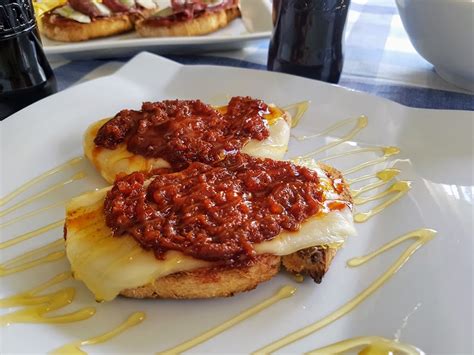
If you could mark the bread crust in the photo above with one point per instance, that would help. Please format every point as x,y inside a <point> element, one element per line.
<point>59,28</point>
<point>313,261</point>
<point>223,281</point>
<point>202,25</point>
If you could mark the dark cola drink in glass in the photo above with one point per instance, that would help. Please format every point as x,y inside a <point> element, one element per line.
<point>25,74</point>
<point>307,38</point>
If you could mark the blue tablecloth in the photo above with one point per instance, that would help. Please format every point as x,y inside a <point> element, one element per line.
<point>379,59</point>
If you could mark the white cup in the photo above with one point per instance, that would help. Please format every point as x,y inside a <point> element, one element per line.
<point>442,32</point>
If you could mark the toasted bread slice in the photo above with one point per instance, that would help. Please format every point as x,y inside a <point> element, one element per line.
<point>217,281</point>
<point>202,25</point>
<point>111,162</point>
<point>62,29</point>
<point>118,265</point>
<point>210,282</point>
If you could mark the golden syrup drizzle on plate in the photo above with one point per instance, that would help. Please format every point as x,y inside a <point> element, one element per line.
<point>37,179</point>
<point>38,306</point>
<point>54,301</point>
<point>368,345</point>
<point>29,235</point>
<point>354,151</point>
<point>384,176</point>
<point>33,258</point>
<point>77,176</point>
<point>301,108</point>
<point>421,237</point>
<point>74,348</point>
<point>361,123</point>
<point>330,129</point>
<point>400,188</point>
<point>32,213</point>
<point>283,293</point>
<point>30,297</point>
<point>388,152</point>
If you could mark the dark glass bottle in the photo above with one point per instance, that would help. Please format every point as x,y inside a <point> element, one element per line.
<point>307,38</point>
<point>25,74</point>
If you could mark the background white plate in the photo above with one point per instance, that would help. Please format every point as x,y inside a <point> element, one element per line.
<point>255,23</point>
<point>428,302</point>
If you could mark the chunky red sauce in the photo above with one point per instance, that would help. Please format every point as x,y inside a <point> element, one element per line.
<point>184,131</point>
<point>215,212</point>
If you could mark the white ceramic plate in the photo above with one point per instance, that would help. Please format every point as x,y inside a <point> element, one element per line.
<point>255,23</point>
<point>428,303</point>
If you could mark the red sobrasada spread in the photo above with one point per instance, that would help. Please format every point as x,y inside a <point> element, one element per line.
<point>216,212</point>
<point>183,131</point>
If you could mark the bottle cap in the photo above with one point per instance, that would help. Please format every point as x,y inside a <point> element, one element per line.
<point>16,17</point>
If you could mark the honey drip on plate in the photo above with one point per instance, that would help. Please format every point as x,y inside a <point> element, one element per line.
<point>32,213</point>
<point>74,348</point>
<point>27,298</point>
<point>387,152</point>
<point>29,235</point>
<point>355,151</point>
<point>33,258</point>
<point>38,306</point>
<point>301,108</point>
<point>420,237</point>
<point>283,293</point>
<point>399,187</point>
<point>369,345</point>
<point>78,176</point>
<point>361,123</point>
<point>37,179</point>
<point>384,176</point>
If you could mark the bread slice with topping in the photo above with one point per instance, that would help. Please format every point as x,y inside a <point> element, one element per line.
<point>59,28</point>
<point>207,23</point>
<point>187,124</point>
<point>110,265</point>
<point>82,20</point>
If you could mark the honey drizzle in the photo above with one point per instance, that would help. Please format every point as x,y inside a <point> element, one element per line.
<point>388,152</point>
<point>384,176</point>
<point>29,235</point>
<point>283,293</point>
<point>336,126</point>
<point>361,123</point>
<point>32,213</point>
<point>37,179</point>
<point>74,348</point>
<point>400,187</point>
<point>373,345</point>
<point>78,176</point>
<point>381,175</point>
<point>54,301</point>
<point>27,298</point>
<point>301,108</point>
<point>354,151</point>
<point>422,236</point>
<point>21,263</point>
